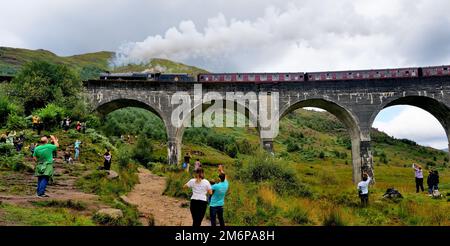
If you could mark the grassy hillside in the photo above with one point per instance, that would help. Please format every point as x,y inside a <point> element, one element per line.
<point>88,65</point>
<point>308,181</point>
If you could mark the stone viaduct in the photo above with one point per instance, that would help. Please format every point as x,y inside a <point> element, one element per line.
<point>355,103</point>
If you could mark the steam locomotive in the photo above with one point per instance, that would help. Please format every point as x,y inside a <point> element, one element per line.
<point>284,77</point>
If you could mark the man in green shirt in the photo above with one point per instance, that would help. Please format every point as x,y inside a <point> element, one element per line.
<point>43,155</point>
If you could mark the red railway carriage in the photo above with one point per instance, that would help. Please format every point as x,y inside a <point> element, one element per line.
<point>436,71</point>
<point>251,77</point>
<point>364,74</point>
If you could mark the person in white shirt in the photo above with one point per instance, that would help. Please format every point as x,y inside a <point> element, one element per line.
<point>363,189</point>
<point>199,201</point>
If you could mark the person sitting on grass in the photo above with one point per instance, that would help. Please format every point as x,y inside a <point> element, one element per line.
<point>363,189</point>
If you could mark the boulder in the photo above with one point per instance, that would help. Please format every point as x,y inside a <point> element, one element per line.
<point>110,213</point>
<point>112,174</point>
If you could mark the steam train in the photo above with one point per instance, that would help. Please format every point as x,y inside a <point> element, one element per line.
<point>284,77</point>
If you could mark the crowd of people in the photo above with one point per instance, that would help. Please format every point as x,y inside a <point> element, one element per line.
<point>432,182</point>
<point>13,139</point>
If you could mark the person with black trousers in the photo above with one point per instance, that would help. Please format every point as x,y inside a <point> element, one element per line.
<point>419,177</point>
<point>199,201</point>
<point>107,157</point>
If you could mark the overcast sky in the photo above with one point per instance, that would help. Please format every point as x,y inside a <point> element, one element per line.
<point>251,35</point>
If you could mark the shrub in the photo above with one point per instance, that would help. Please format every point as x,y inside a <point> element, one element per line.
<point>244,147</point>
<point>321,155</point>
<point>123,157</point>
<point>333,218</point>
<point>142,152</point>
<point>231,150</point>
<point>51,115</point>
<point>292,147</point>
<point>265,168</point>
<point>16,122</point>
<point>298,215</point>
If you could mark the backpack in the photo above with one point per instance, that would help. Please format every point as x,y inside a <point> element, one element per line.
<point>184,165</point>
<point>392,193</point>
<point>436,194</point>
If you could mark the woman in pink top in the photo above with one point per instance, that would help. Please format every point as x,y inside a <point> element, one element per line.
<point>419,177</point>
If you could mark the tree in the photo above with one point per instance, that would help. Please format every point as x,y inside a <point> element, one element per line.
<point>39,83</point>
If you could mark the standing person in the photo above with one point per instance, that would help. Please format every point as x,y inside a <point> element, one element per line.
<point>436,180</point>
<point>363,189</point>
<point>187,159</point>
<point>44,163</point>
<point>35,121</point>
<point>217,200</point>
<point>200,187</point>
<point>77,149</point>
<point>19,142</point>
<point>3,138</point>
<point>66,124</point>
<point>78,126</point>
<point>431,180</point>
<point>197,164</point>
<point>10,138</point>
<point>419,177</point>
<point>32,147</point>
<point>107,160</point>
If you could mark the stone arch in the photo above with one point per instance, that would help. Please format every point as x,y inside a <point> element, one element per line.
<point>345,116</point>
<point>433,106</point>
<point>180,131</point>
<point>115,104</point>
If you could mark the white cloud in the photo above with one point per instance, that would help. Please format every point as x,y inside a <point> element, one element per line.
<point>415,124</point>
<point>306,36</point>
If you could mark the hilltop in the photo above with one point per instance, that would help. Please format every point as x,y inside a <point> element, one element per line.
<point>88,65</point>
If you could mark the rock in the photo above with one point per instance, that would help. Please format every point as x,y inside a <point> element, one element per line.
<point>112,174</point>
<point>110,212</point>
<point>125,199</point>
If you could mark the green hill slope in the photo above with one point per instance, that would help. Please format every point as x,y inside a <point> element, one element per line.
<point>88,65</point>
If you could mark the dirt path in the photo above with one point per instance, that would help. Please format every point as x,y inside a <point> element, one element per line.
<point>62,188</point>
<point>166,211</point>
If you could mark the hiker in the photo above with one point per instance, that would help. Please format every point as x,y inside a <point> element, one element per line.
<point>32,147</point>
<point>200,187</point>
<point>419,177</point>
<point>68,157</point>
<point>35,120</point>
<point>44,163</point>
<point>430,181</point>
<point>67,124</point>
<point>107,160</point>
<point>436,180</point>
<point>77,149</point>
<point>363,189</point>
<point>197,164</point>
<point>10,137</point>
<point>187,159</point>
<point>78,126</point>
<point>3,138</point>
<point>19,141</point>
<point>219,191</point>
